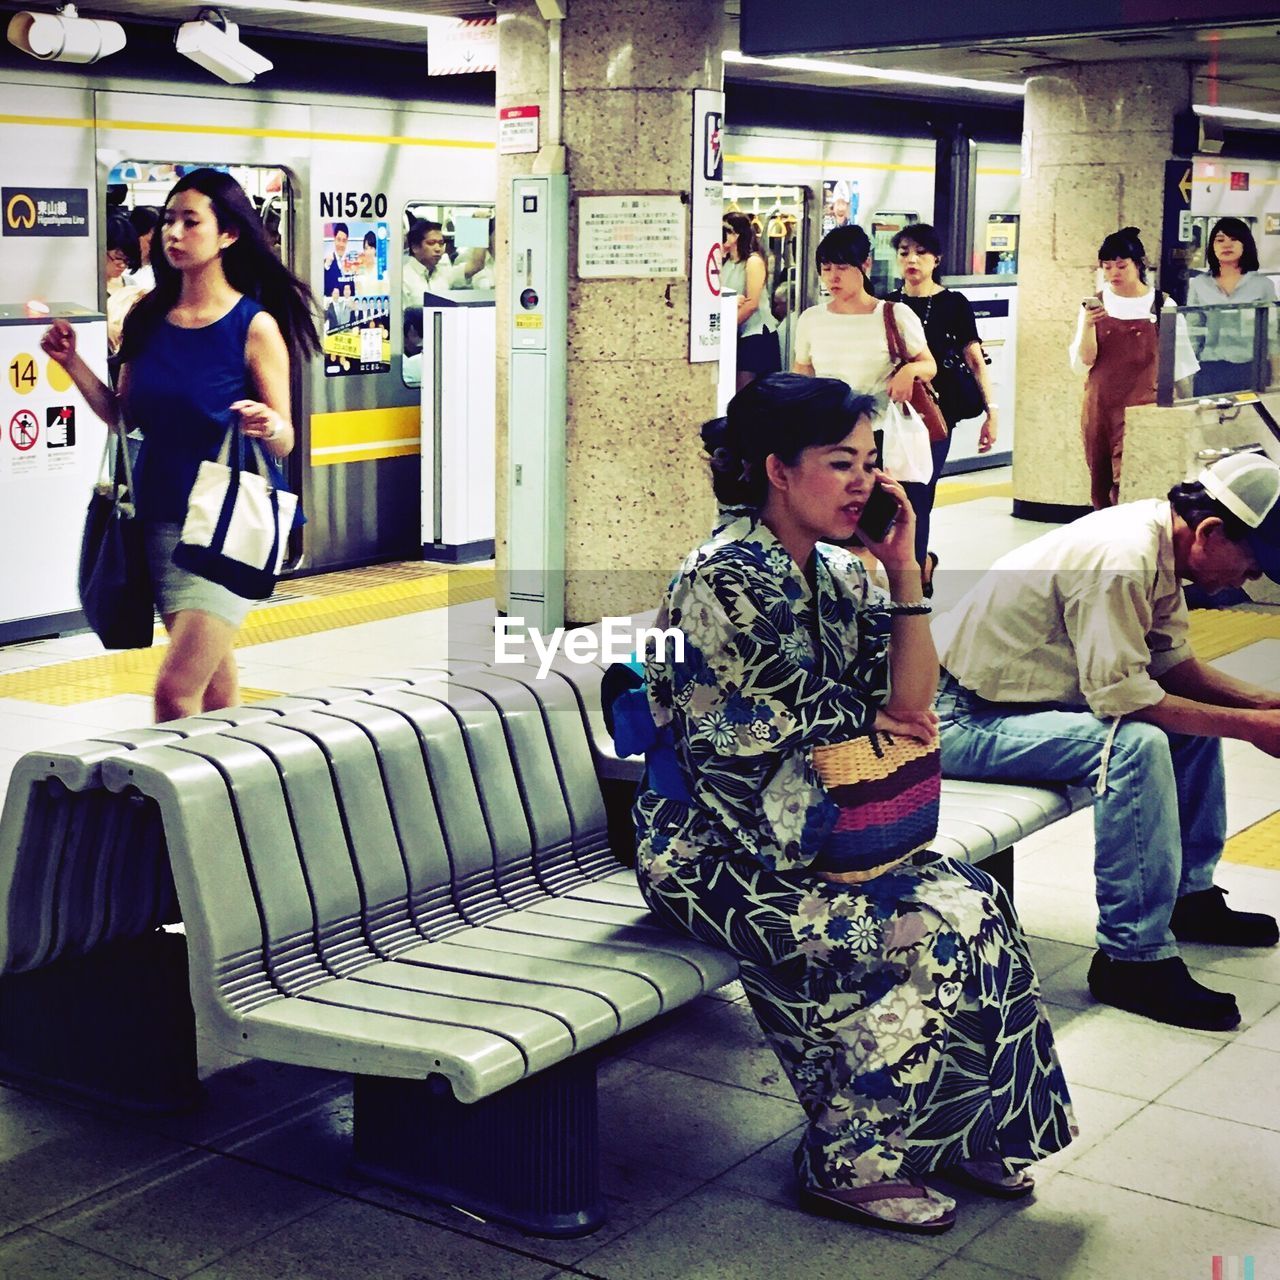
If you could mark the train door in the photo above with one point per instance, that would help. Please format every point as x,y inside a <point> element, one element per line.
<point>145,184</point>
<point>780,218</point>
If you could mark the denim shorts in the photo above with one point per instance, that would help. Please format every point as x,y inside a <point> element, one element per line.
<point>176,590</point>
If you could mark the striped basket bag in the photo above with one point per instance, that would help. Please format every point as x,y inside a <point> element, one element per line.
<point>887,789</point>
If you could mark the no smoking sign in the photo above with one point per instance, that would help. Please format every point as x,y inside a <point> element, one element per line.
<point>713,270</point>
<point>24,430</point>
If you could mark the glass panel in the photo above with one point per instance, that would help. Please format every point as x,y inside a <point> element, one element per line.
<point>1220,350</point>
<point>447,260</point>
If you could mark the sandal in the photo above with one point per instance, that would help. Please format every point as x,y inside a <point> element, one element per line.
<point>853,1204</point>
<point>989,1178</point>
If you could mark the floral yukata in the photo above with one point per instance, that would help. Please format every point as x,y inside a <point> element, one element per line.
<point>905,1010</point>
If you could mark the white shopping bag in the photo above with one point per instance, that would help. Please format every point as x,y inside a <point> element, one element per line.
<point>237,528</point>
<point>906,454</point>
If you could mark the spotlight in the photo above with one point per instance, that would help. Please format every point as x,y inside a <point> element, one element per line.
<point>214,43</point>
<point>64,36</point>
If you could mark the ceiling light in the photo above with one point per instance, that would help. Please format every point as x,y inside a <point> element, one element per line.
<point>64,36</point>
<point>854,71</point>
<point>214,43</point>
<point>353,12</point>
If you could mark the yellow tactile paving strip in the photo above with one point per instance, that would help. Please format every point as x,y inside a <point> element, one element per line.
<point>952,491</point>
<point>1215,632</point>
<point>1256,846</point>
<point>400,590</point>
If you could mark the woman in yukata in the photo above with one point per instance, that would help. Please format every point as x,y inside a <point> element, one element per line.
<point>904,1009</point>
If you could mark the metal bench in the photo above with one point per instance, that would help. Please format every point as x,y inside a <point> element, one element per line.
<point>411,878</point>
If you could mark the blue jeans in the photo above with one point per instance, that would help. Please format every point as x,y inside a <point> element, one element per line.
<point>1159,824</point>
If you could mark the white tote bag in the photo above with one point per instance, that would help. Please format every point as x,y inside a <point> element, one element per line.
<point>237,528</point>
<point>906,453</point>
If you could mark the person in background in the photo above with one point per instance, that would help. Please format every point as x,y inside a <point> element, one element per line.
<point>123,255</point>
<point>1226,359</point>
<point>961,382</point>
<point>1115,345</point>
<point>207,350</point>
<point>900,1007</point>
<point>845,337</point>
<point>743,270</point>
<point>426,267</point>
<point>144,221</point>
<point>1070,662</point>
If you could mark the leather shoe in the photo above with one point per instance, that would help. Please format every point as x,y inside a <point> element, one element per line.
<point>1205,917</point>
<point>1163,990</point>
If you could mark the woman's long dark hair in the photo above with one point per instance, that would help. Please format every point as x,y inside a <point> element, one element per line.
<point>748,242</point>
<point>250,265</point>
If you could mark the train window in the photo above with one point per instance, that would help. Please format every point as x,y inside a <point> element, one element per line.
<point>447,259</point>
<point>136,193</point>
<point>779,218</point>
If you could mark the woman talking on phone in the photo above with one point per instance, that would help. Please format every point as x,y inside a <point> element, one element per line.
<point>1115,346</point>
<point>207,350</point>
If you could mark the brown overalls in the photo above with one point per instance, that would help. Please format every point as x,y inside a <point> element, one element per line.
<point>1123,374</point>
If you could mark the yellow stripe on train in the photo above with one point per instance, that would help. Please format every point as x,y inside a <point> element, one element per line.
<point>364,435</point>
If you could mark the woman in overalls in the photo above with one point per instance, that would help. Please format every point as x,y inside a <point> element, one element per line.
<point>1115,345</point>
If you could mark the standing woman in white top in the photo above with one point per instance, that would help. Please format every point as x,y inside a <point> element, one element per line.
<point>1115,345</point>
<point>845,337</point>
<point>743,270</point>
<point>1226,359</point>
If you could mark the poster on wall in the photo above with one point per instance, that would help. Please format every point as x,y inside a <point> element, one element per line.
<point>706,181</point>
<point>357,297</point>
<point>839,204</point>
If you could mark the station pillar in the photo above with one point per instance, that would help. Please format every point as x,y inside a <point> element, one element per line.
<point>1095,141</point>
<point>637,494</point>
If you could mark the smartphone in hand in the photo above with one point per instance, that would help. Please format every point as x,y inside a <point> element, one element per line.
<point>1092,303</point>
<point>878,515</point>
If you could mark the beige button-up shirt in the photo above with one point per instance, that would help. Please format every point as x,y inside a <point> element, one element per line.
<point>1088,615</point>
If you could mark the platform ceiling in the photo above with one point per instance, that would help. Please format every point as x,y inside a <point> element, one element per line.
<point>1246,58</point>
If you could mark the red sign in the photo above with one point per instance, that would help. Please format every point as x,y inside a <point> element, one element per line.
<point>517,129</point>
<point>24,430</point>
<point>713,270</point>
<point>1239,180</point>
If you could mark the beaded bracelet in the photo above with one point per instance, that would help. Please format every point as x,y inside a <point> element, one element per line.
<point>901,610</point>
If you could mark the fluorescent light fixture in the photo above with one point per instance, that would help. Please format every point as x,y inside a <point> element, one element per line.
<point>64,36</point>
<point>855,71</point>
<point>218,49</point>
<point>353,12</point>
<point>1237,113</point>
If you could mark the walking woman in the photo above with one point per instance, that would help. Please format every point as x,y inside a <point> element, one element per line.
<point>743,270</point>
<point>1115,346</point>
<point>904,1008</point>
<point>961,382</point>
<point>1226,359</point>
<point>845,337</point>
<point>207,350</point>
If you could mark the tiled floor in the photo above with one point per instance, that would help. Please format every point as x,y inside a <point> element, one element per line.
<point>1179,1158</point>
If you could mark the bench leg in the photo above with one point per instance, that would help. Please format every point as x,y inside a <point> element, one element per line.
<point>527,1156</point>
<point>115,1025</point>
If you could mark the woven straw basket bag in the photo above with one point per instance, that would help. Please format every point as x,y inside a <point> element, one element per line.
<point>887,789</point>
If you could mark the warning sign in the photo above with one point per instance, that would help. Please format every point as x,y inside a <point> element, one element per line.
<point>24,430</point>
<point>60,426</point>
<point>713,270</point>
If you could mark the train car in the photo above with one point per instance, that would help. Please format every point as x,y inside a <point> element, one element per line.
<point>340,179</point>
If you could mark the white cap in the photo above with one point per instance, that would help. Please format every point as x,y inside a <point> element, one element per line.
<point>1248,486</point>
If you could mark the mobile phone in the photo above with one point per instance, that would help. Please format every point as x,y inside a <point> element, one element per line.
<point>1092,304</point>
<point>878,515</point>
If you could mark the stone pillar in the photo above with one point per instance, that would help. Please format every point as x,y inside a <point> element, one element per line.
<point>637,492</point>
<point>1094,145</point>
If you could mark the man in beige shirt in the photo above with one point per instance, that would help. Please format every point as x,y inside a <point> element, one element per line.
<point>1069,662</point>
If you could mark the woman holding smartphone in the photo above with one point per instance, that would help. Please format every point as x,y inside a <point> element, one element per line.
<point>1115,346</point>
<point>903,1006</point>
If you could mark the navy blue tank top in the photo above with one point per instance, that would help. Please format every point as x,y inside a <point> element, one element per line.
<point>181,386</point>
